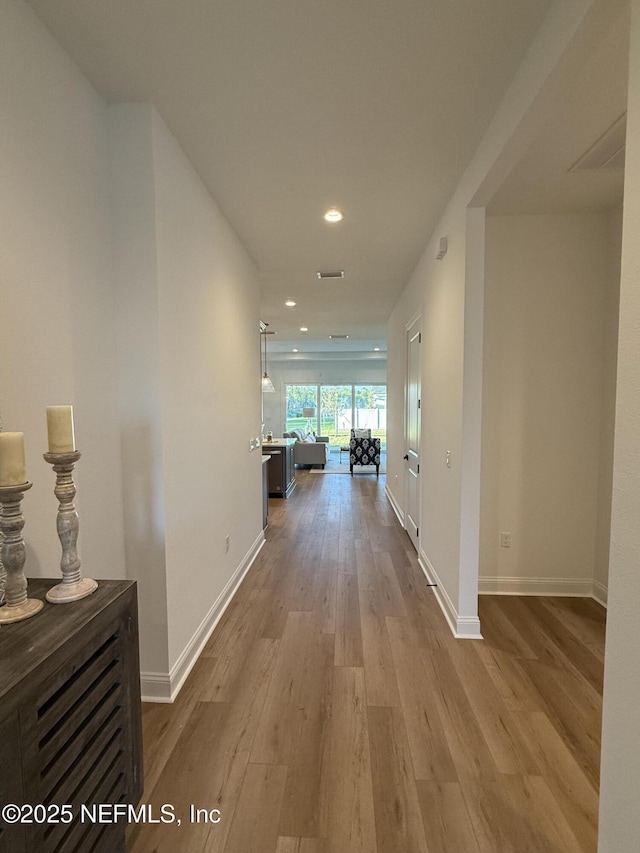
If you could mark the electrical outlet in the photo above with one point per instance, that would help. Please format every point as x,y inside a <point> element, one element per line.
<point>227,540</point>
<point>505,540</point>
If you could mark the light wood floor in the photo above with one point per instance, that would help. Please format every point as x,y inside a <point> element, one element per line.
<point>333,712</point>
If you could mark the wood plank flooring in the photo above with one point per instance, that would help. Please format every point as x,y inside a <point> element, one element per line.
<point>333,712</point>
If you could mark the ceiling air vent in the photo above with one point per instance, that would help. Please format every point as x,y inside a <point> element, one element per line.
<point>607,152</point>
<point>339,337</point>
<point>334,274</point>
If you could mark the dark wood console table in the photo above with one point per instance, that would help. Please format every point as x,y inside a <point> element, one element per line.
<point>70,718</point>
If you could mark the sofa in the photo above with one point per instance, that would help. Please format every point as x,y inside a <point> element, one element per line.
<point>309,449</point>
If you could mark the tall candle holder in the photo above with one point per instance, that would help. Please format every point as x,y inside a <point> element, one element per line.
<point>18,606</point>
<point>73,586</point>
<point>3,574</point>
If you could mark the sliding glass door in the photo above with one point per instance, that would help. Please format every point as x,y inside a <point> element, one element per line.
<point>337,408</point>
<point>370,409</point>
<point>299,398</point>
<point>336,413</point>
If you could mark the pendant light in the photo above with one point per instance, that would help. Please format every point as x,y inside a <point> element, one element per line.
<point>267,384</point>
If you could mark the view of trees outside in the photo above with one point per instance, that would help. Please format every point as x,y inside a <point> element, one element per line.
<point>300,397</point>
<point>338,409</point>
<point>335,409</point>
<point>371,409</point>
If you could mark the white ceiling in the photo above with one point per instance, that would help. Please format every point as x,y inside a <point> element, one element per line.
<point>593,96</point>
<point>286,107</point>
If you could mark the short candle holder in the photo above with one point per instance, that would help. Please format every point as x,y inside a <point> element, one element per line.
<point>18,606</point>
<point>73,586</point>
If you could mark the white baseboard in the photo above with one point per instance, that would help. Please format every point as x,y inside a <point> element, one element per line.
<point>155,687</point>
<point>395,506</point>
<point>462,627</point>
<point>562,587</point>
<point>164,687</point>
<point>600,593</point>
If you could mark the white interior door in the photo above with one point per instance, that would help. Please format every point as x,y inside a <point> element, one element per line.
<point>412,457</point>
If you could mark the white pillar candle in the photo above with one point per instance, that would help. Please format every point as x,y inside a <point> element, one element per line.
<point>12,467</point>
<point>60,429</point>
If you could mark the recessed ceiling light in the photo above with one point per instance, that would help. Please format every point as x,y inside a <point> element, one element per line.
<point>333,215</point>
<point>303,329</point>
<point>294,350</point>
<point>290,303</point>
<point>376,349</point>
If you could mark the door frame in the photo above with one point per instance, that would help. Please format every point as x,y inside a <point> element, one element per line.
<point>412,328</point>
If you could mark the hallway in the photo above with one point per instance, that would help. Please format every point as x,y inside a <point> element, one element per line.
<point>332,711</point>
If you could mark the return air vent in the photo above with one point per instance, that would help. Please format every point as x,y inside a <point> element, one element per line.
<point>334,274</point>
<point>607,152</point>
<point>339,337</point>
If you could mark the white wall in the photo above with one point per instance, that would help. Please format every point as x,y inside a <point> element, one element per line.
<point>620,769</point>
<point>57,319</point>
<point>188,350</point>
<point>607,423</point>
<point>210,394</point>
<point>314,372</point>
<point>436,292</point>
<point>138,360</point>
<point>439,292</point>
<point>546,305</point>
<point>125,293</point>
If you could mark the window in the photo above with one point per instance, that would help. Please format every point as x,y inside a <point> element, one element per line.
<point>300,397</point>
<point>371,409</point>
<point>338,409</point>
<point>336,412</point>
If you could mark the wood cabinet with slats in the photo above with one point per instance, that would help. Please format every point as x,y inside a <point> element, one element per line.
<point>70,719</point>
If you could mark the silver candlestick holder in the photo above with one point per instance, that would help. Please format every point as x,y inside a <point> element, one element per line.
<point>73,586</point>
<point>18,606</point>
<point>3,574</point>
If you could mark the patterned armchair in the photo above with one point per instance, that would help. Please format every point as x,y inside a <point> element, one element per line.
<point>364,449</point>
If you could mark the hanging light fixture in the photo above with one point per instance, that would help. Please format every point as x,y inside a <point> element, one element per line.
<point>267,384</point>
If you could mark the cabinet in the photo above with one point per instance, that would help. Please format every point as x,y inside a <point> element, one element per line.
<point>70,718</point>
<point>265,490</point>
<point>282,477</point>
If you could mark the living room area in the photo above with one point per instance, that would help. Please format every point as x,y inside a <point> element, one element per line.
<point>319,398</point>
